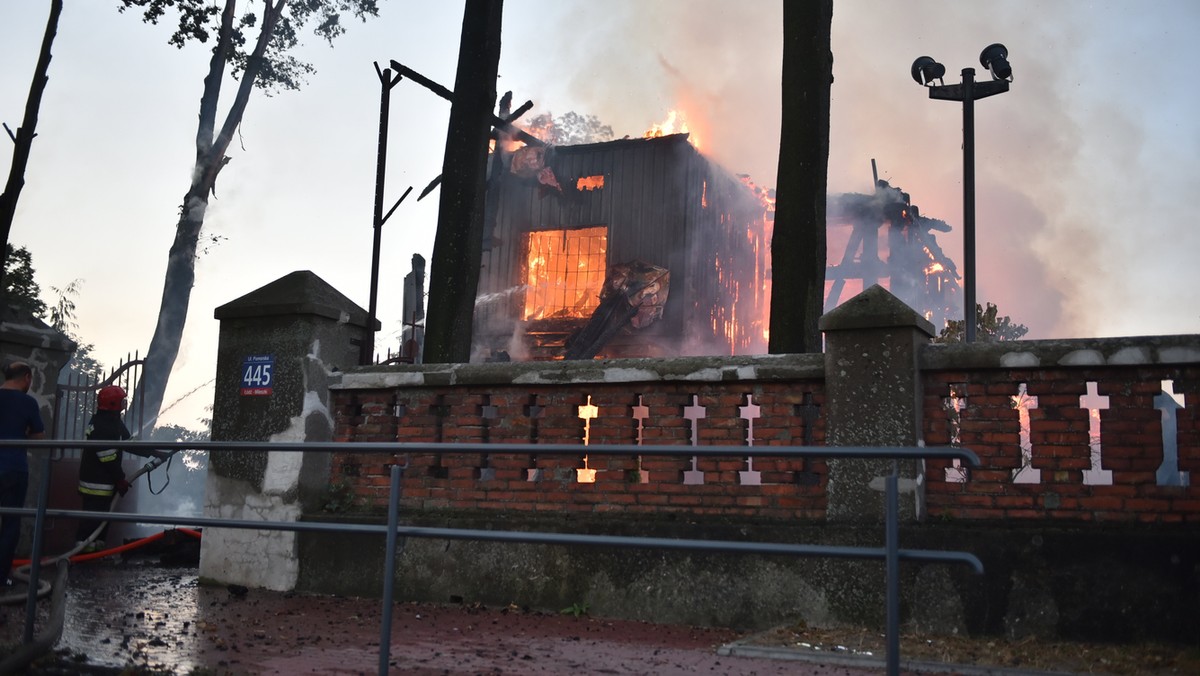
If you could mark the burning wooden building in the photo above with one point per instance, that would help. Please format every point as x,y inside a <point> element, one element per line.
<point>627,248</point>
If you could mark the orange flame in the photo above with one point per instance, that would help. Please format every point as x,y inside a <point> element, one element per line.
<point>564,272</point>
<point>675,123</point>
<point>589,183</point>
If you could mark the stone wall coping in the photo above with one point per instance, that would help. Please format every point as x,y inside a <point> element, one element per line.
<point>297,293</point>
<point>874,308</point>
<point>606,371</point>
<point>33,332</point>
<point>1075,352</point>
<point>270,310</point>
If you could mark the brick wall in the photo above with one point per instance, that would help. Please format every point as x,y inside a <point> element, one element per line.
<point>647,414</point>
<point>1067,471</point>
<point>1040,457</point>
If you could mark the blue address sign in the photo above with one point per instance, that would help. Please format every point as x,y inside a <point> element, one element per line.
<point>258,375</point>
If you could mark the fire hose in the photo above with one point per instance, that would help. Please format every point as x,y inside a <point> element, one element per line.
<point>46,640</point>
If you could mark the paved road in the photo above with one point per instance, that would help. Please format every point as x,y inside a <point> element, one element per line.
<point>138,615</point>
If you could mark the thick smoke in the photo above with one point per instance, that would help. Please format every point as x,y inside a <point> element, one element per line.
<point>1080,225</point>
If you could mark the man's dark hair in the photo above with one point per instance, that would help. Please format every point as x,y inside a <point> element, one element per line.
<point>17,369</point>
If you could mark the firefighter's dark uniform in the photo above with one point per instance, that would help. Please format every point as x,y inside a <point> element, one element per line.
<point>100,471</point>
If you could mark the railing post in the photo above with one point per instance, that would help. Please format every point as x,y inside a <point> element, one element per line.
<point>35,566</point>
<point>892,556</point>
<point>891,553</point>
<point>389,572</point>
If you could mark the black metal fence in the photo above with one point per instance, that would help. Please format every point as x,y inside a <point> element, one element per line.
<point>891,552</point>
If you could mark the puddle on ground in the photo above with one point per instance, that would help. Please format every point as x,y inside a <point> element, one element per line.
<point>153,618</point>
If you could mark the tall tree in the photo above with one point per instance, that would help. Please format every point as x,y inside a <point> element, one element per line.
<point>798,243</point>
<point>20,291</point>
<point>267,66</point>
<point>454,273</point>
<point>23,139</point>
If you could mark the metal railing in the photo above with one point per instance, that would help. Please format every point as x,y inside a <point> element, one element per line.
<point>890,553</point>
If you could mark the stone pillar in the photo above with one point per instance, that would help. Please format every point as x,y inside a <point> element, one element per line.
<point>873,395</point>
<point>279,349</point>
<point>26,338</point>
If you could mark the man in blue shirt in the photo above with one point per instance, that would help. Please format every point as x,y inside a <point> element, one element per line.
<point>20,418</point>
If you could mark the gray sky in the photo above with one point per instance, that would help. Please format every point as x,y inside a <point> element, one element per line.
<point>1086,169</point>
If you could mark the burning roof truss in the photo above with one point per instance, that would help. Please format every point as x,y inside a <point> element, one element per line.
<point>907,259</point>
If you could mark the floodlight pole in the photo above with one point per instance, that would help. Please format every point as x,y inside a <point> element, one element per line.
<point>366,349</point>
<point>968,92</point>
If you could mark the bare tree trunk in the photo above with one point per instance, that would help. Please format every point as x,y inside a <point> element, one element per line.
<point>23,139</point>
<point>454,273</point>
<point>798,244</point>
<point>181,262</point>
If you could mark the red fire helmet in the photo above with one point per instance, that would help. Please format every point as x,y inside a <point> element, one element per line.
<point>111,398</point>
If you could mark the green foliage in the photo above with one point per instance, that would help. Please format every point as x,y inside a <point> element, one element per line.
<point>21,292</point>
<point>83,367</point>
<point>569,129</point>
<point>339,498</point>
<point>193,460</point>
<point>200,19</point>
<point>990,328</point>
<point>576,609</point>
<point>62,313</point>
<point>178,433</point>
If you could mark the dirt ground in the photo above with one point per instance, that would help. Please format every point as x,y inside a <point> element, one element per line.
<point>139,617</point>
<point>1023,656</point>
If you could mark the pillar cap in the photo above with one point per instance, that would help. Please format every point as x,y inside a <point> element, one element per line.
<point>875,308</point>
<point>24,328</point>
<point>296,293</point>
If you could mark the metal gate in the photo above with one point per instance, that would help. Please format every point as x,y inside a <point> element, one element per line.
<point>74,403</point>
<point>75,400</point>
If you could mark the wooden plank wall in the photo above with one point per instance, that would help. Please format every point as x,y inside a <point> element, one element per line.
<point>651,203</point>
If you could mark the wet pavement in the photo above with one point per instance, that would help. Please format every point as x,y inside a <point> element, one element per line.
<point>144,618</point>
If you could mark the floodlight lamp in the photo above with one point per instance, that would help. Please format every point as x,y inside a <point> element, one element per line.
<point>995,58</point>
<point>925,70</point>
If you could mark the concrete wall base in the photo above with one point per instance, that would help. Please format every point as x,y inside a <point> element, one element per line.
<point>1038,582</point>
<point>254,558</point>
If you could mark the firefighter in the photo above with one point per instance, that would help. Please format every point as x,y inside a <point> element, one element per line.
<point>100,473</point>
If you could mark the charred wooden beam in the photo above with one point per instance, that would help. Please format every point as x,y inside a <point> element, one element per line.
<point>429,188</point>
<point>449,96</point>
<point>496,175</point>
<point>613,314</point>
<point>518,113</point>
<point>628,289</point>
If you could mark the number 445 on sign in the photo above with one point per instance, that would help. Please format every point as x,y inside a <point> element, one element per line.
<point>258,374</point>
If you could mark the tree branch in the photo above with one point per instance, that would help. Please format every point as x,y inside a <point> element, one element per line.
<point>212,83</point>
<point>216,156</point>
<point>23,139</point>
